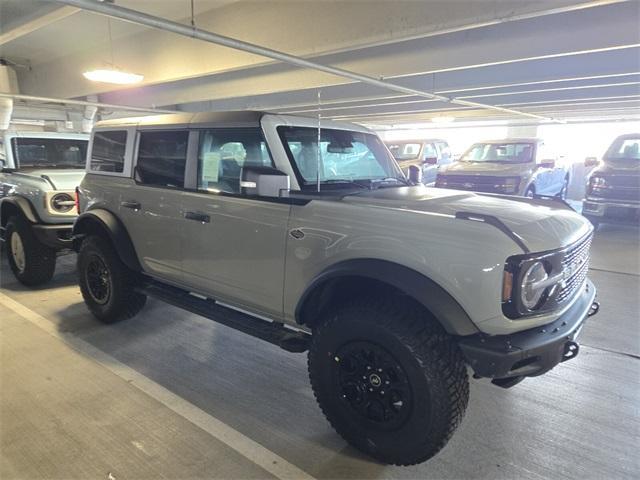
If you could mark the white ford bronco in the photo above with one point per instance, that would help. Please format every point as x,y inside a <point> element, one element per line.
<point>309,236</point>
<point>38,176</point>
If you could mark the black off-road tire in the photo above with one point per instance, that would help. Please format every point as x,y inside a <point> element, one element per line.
<point>121,300</point>
<point>431,361</point>
<point>40,260</point>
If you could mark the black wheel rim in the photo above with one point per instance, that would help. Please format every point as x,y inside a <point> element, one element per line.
<point>373,385</point>
<point>98,280</point>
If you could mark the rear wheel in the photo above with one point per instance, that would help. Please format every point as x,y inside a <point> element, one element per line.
<point>31,262</point>
<point>107,285</point>
<point>390,381</point>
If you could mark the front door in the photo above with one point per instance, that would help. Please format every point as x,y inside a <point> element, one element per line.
<point>233,246</point>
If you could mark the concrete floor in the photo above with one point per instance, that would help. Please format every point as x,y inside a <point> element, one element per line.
<point>173,395</point>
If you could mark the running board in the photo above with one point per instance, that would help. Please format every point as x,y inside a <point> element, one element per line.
<point>272,332</point>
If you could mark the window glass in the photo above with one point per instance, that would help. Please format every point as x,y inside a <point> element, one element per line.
<point>430,151</point>
<point>445,151</point>
<point>162,157</point>
<point>344,156</point>
<point>404,151</point>
<point>49,152</point>
<point>107,151</point>
<point>224,152</point>
<point>499,153</point>
<point>627,149</point>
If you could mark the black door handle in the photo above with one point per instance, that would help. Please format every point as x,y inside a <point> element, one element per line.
<point>198,217</point>
<point>131,204</point>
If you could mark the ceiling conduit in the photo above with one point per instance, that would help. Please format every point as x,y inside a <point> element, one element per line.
<point>141,18</point>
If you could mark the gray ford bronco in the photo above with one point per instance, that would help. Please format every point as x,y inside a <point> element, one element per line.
<point>310,237</point>
<point>40,171</point>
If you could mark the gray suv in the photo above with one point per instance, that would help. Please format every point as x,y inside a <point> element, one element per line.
<point>312,238</point>
<point>513,166</point>
<point>40,172</point>
<point>427,155</point>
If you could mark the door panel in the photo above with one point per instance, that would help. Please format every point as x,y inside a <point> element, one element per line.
<point>233,249</point>
<point>154,227</point>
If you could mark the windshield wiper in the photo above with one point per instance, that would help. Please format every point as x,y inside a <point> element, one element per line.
<point>378,181</point>
<point>345,182</point>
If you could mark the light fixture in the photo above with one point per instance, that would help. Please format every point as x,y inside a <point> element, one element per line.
<point>113,76</point>
<point>442,119</point>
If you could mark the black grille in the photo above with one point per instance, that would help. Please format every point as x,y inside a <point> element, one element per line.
<point>476,183</point>
<point>575,261</point>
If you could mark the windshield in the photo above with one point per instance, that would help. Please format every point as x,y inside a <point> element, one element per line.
<point>624,149</point>
<point>499,153</point>
<point>49,152</point>
<point>345,157</point>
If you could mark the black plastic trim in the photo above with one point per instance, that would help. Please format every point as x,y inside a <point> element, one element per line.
<point>55,236</point>
<point>115,230</point>
<point>432,296</point>
<point>531,352</point>
<point>23,205</point>
<point>495,222</point>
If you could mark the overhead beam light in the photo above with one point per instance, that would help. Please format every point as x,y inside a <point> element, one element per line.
<point>442,119</point>
<point>113,76</point>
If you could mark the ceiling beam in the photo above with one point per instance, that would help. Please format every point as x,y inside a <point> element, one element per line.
<point>141,18</point>
<point>37,23</point>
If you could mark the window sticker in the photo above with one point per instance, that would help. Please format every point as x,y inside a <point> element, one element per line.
<point>210,166</point>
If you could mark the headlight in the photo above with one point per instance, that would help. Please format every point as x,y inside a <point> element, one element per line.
<point>598,182</point>
<point>534,284</point>
<point>62,203</point>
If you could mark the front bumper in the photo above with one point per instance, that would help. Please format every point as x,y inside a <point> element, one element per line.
<point>611,209</point>
<point>54,236</point>
<point>531,352</point>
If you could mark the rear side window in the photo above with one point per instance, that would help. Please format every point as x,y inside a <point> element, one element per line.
<point>162,157</point>
<point>107,152</point>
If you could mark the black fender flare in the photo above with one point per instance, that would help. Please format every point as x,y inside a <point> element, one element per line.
<point>425,291</point>
<point>100,220</point>
<point>22,205</point>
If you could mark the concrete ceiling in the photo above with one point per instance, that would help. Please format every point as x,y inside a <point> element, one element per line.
<point>567,59</point>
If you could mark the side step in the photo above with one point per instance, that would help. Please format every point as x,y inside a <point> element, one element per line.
<point>272,332</point>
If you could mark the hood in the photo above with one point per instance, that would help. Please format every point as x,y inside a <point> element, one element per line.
<point>61,179</point>
<point>542,224</point>
<point>486,168</point>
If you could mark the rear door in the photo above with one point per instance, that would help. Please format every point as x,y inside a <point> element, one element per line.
<point>151,207</point>
<point>233,245</point>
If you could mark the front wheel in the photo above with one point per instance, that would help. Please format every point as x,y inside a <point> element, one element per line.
<point>31,262</point>
<point>389,380</point>
<point>107,285</point>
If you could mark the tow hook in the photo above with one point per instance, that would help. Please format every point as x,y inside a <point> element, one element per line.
<point>595,308</point>
<point>571,350</point>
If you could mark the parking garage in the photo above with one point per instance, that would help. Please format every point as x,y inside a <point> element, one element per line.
<point>343,239</point>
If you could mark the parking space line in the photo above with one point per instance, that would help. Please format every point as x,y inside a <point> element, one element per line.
<point>242,444</point>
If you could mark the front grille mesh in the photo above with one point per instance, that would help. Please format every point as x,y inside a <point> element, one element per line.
<point>576,261</point>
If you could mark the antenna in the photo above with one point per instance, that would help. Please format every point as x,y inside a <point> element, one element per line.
<point>318,147</point>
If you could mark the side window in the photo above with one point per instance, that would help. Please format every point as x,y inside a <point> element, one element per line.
<point>445,151</point>
<point>107,152</point>
<point>162,156</point>
<point>430,151</point>
<point>223,153</point>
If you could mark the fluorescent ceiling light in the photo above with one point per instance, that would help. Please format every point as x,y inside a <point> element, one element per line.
<point>113,76</point>
<point>442,119</point>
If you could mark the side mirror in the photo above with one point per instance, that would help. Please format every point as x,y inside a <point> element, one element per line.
<point>550,163</point>
<point>590,162</point>
<point>415,175</point>
<point>264,182</point>
<point>431,160</point>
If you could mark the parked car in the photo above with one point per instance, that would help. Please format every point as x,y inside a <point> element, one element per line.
<point>514,166</point>
<point>40,171</point>
<point>378,278</point>
<point>613,186</point>
<point>428,155</point>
